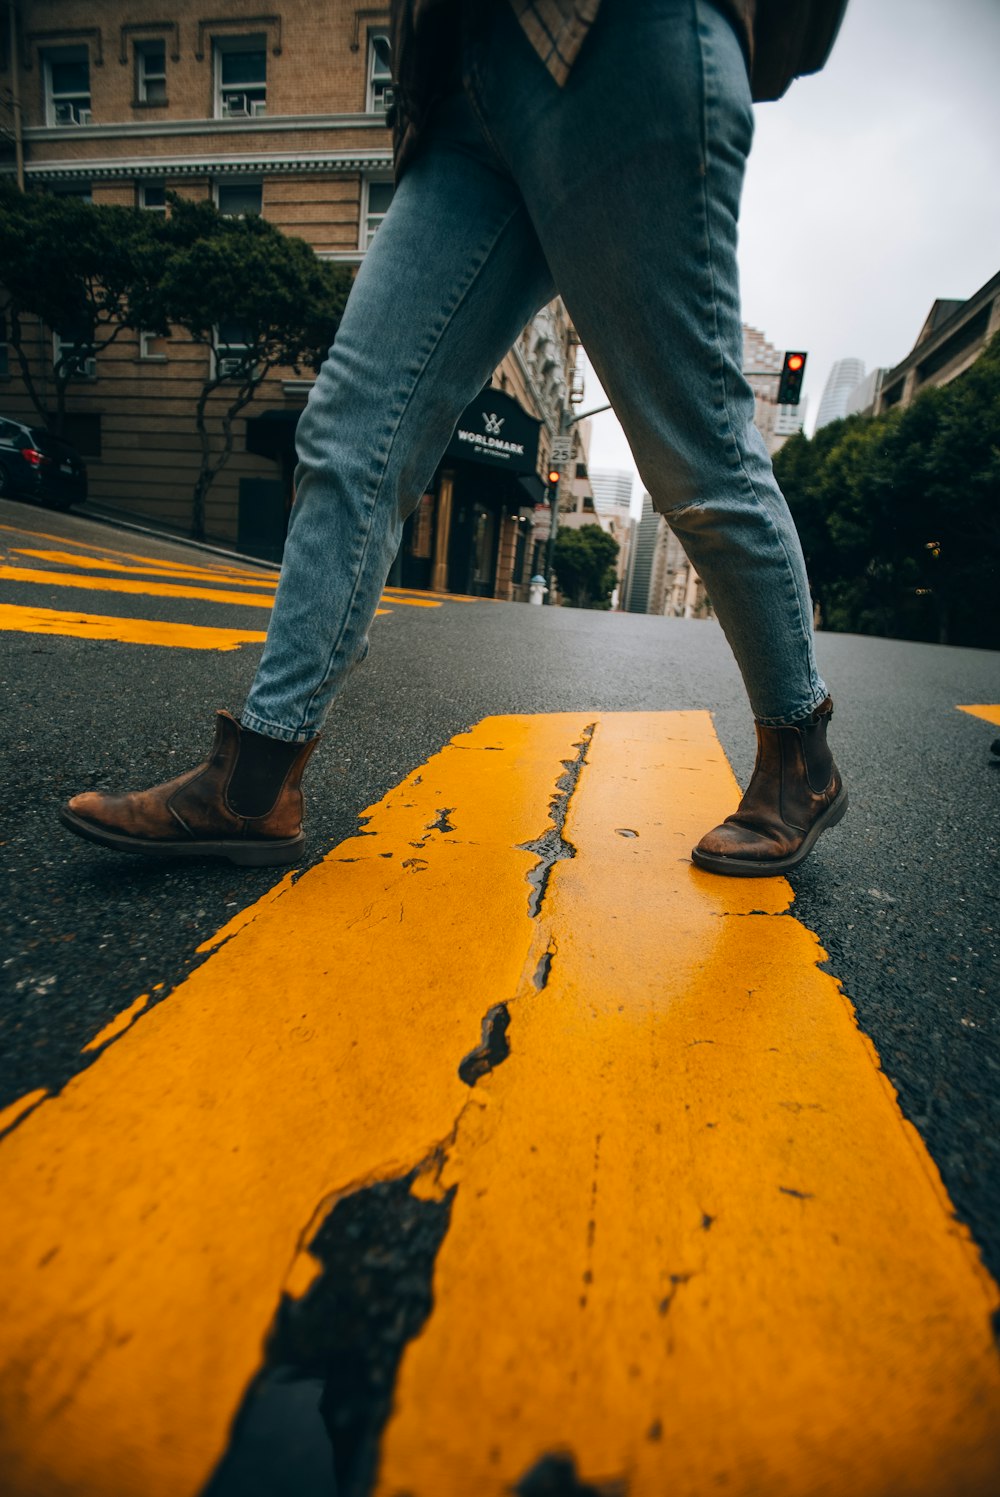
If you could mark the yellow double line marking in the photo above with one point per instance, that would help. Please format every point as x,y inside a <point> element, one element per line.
<point>17,618</point>
<point>693,1242</point>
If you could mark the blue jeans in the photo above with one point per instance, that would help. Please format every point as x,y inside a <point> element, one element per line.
<point>620,192</point>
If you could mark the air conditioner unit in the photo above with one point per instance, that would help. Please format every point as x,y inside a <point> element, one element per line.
<point>227,367</point>
<point>235,107</point>
<point>64,114</point>
<point>83,116</point>
<point>258,107</point>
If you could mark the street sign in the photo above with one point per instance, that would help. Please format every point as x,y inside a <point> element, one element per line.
<point>562,450</point>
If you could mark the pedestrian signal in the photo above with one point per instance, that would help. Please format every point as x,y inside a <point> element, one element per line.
<point>790,384</point>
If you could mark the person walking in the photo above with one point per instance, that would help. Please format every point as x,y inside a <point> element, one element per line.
<point>542,147</point>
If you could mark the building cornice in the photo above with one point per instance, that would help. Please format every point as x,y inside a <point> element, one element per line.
<point>283,163</point>
<point>144,129</point>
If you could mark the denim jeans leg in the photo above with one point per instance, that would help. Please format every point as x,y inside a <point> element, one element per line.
<point>632,174</point>
<point>454,273</point>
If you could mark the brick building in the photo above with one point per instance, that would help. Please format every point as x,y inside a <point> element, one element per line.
<point>277,112</point>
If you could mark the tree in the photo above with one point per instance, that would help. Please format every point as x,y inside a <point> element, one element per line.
<point>86,272</point>
<point>585,565</point>
<point>257,300</point>
<point>900,515</point>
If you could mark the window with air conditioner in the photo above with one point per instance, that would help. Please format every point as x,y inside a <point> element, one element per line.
<point>152,347</point>
<point>240,77</point>
<point>379,95</point>
<point>151,72</point>
<point>64,348</point>
<point>231,345</point>
<point>377,197</point>
<point>66,73</point>
<point>239,199</point>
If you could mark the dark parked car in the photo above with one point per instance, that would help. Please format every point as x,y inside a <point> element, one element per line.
<point>36,465</point>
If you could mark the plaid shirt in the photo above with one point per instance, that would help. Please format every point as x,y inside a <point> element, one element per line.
<point>556,29</point>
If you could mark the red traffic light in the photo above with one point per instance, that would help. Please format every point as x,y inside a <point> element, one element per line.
<point>793,370</point>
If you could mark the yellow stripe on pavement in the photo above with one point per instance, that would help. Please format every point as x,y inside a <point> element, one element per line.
<point>103,550</point>
<point>18,620</point>
<point>693,1242</point>
<point>990,714</point>
<point>149,589</point>
<point>152,589</point>
<point>149,568</point>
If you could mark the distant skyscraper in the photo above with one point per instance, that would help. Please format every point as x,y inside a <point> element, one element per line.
<point>642,555</point>
<point>843,380</point>
<point>612,490</point>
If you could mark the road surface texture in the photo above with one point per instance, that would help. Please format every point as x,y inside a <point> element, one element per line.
<point>495,1149</point>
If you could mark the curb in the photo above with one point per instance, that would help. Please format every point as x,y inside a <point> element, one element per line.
<point>118,521</point>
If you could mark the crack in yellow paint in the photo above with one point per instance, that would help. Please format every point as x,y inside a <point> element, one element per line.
<point>17,619</point>
<point>118,1025</point>
<point>990,713</point>
<point>687,1201</point>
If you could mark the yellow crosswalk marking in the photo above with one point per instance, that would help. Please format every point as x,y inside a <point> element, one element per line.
<point>148,568</point>
<point>19,620</point>
<point>102,550</point>
<point>693,1241</point>
<point>149,589</point>
<point>990,714</point>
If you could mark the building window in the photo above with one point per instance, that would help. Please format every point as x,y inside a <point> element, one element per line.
<point>64,346</point>
<point>377,197</point>
<point>67,86</point>
<point>379,73</point>
<point>152,348</point>
<point>153,197</point>
<point>240,77</point>
<point>231,344</point>
<point>239,199</point>
<point>151,72</point>
<point>72,189</point>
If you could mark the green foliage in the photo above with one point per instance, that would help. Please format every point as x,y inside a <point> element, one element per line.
<point>88,272</point>
<point>585,566</point>
<point>85,272</point>
<point>242,273</point>
<point>900,516</point>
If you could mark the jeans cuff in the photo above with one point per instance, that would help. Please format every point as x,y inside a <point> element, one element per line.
<point>797,718</point>
<point>275,730</point>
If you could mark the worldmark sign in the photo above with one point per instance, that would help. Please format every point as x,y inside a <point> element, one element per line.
<point>496,431</point>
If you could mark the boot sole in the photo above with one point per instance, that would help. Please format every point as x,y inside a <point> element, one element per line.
<point>249,854</point>
<point>772,867</point>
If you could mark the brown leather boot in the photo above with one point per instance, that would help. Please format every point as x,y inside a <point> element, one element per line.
<point>244,803</point>
<point>795,794</point>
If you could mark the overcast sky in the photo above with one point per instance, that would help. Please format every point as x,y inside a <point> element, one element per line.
<point>873,189</point>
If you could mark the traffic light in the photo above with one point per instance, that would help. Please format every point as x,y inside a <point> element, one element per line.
<point>554,476</point>
<point>790,383</point>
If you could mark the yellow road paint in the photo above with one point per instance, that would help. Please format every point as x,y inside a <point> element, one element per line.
<point>105,551</point>
<point>693,1240</point>
<point>10,1114</point>
<point>19,620</point>
<point>149,568</point>
<point>118,1024</point>
<point>148,589</point>
<point>990,714</point>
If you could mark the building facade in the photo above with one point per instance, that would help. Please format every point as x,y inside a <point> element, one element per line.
<point>953,336</point>
<point>281,114</point>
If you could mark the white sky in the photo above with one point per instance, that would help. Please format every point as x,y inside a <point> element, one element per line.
<point>873,189</point>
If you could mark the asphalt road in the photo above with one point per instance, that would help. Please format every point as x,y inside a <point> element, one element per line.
<point>903,896</point>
